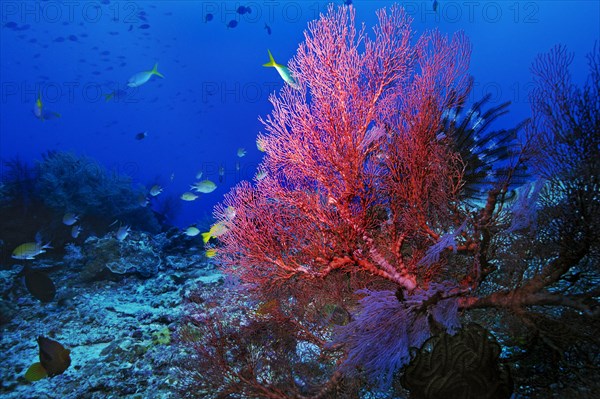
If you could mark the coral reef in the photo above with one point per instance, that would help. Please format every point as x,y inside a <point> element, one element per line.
<point>82,186</point>
<point>120,332</point>
<point>33,201</point>
<point>385,251</point>
<point>108,257</point>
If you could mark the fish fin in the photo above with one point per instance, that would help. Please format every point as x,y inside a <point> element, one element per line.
<point>155,71</point>
<point>35,372</point>
<point>206,237</point>
<point>271,62</point>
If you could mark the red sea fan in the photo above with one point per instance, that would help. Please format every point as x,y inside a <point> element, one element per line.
<point>359,189</point>
<point>354,173</point>
<point>355,185</point>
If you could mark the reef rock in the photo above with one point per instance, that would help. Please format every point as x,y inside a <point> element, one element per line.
<point>109,258</point>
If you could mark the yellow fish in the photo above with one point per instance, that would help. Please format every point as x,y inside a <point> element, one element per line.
<point>191,231</point>
<point>142,77</point>
<point>155,190</point>
<point>29,250</point>
<point>187,196</point>
<point>42,114</point>
<point>204,186</point>
<point>216,230</point>
<point>283,71</point>
<point>210,253</point>
<point>260,144</point>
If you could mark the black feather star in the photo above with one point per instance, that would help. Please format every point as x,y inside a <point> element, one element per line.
<point>486,153</point>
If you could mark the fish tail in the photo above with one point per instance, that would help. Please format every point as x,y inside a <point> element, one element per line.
<point>205,237</point>
<point>108,97</point>
<point>155,71</point>
<point>35,372</point>
<point>271,62</point>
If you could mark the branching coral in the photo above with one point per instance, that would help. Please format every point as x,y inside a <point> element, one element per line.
<point>68,183</point>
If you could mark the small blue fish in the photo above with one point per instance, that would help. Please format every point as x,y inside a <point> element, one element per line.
<point>268,28</point>
<point>70,219</point>
<point>75,231</point>
<point>244,10</point>
<point>141,136</point>
<point>232,24</point>
<point>122,233</point>
<point>208,17</point>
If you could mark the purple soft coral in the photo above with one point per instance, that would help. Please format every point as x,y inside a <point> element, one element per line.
<point>379,339</point>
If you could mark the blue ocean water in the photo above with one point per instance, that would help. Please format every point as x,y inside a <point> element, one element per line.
<point>214,88</point>
<point>115,299</point>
